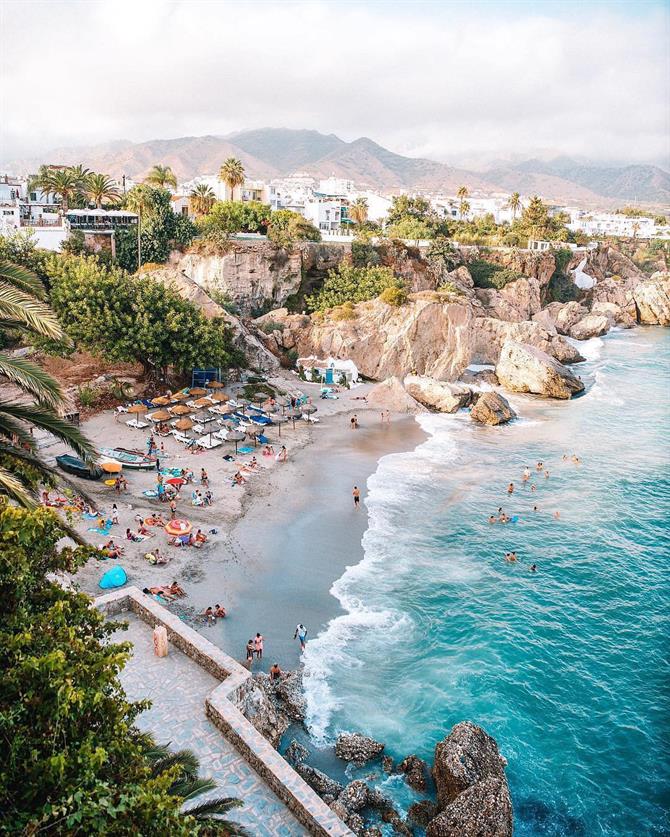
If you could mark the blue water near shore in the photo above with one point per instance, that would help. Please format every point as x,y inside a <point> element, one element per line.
<point>566,667</point>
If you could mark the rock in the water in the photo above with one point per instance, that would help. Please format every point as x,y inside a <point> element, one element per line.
<point>482,376</point>
<point>614,313</point>
<point>483,810</point>
<point>593,325</point>
<point>652,300</point>
<point>351,746</point>
<point>466,756</point>
<point>318,781</point>
<point>295,753</point>
<point>388,764</point>
<point>492,408</point>
<point>523,368</point>
<point>421,813</point>
<point>258,707</point>
<point>396,822</point>
<point>415,770</point>
<point>491,335</point>
<point>355,795</point>
<point>289,692</point>
<point>356,823</point>
<point>372,831</point>
<point>438,395</point>
<point>392,395</point>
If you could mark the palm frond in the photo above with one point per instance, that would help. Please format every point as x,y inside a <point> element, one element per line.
<point>32,379</point>
<point>218,805</point>
<point>45,419</point>
<point>22,278</point>
<point>13,487</point>
<point>12,430</point>
<point>15,304</point>
<point>188,788</point>
<point>186,760</point>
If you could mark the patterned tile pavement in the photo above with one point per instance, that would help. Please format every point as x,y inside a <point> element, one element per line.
<point>177,687</point>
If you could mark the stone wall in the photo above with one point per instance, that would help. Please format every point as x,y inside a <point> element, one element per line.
<point>222,709</point>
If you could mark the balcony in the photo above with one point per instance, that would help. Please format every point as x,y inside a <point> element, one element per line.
<point>41,222</point>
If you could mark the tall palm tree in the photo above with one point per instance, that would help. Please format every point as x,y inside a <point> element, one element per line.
<point>22,308</point>
<point>64,183</point>
<point>232,174</point>
<point>140,201</point>
<point>187,785</point>
<point>463,195</point>
<point>202,199</point>
<point>358,211</point>
<point>100,187</point>
<point>161,176</point>
<point>514,203</point>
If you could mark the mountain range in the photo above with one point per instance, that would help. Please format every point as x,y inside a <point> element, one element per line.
<point>267,153</point>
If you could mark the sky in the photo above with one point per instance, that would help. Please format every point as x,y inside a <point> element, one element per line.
<point>459,82</point>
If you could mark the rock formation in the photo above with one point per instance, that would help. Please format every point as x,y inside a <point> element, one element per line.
<point>272,706</point>
<point>351,746</point>
<point>472,791</point>
<point>652,299</point>
<point>489,335</point>
<point>438,395</point>
<point>392,395</point>
<point>491,408</point>
<point>415,770</point>
<point>523,368</point>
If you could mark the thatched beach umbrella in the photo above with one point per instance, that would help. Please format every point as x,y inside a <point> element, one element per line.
<point>138,408</point>
<point>255,432</point>
<point>309,409</point>
<point>202,402</point>
<point>236,436</point>
<point>293,415</point>
<point>204,418</point>
<point>160,415</point>
<point>181,396</point>
<point>180,410</point>
<point>214,385</point>
<point>279,420</point>
<point>161,401</point>
<point>196,392</point>
<point>183,424</point>
<point>220,397</point>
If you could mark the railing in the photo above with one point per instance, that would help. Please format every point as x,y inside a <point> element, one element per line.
<point>41,222</point>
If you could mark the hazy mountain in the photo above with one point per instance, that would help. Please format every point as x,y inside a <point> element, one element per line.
<point>273,152</point>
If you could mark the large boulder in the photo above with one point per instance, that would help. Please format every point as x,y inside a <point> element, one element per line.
<point>516,302</point>
<point>481,376</point>
<point>318,781</point>
<point>392,395</point>
<point>523,368</point>
<point>415,770</point>
<point>614,313</point>
<point>592,325</point>
<point>482,810</point>
<point>438,395</point>
<point>566,315</point>
<point>351,746</point>
<point>355,795</point>
<point>490,335</point>
<point>491,408</point>
<point>652,299</point>
<point>258,707</point>
<point>463,758</point>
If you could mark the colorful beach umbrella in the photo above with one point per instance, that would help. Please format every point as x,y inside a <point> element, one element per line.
<point>110,466</point>
<point>176,481</point>
<point>178,526</point>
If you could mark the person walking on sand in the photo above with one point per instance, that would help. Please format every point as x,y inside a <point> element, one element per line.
<point>357,496</point>
<point>301,634</point>
<point>173,509</point>
<point>258,646</point>
<point>204,479</point>
<point>353,422</point>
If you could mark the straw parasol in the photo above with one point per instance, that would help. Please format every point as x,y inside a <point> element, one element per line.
<point>279,420</point>
<point>255,432</point>
<point>204,418</point>
<point>293,415</point>
<point>214,385</point>
<point>236,436</point>
<point>203,402</point>
<point>196,392</point>
<point>180,410</point>
<point>181,396</point>
<point>138,408</point>
<point>160,415</point>
<point>220,397</point>
<point>183,424</point>
<point>161,401</point>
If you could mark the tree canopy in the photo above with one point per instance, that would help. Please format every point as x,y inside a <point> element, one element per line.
<point>414,215</point>
<point>230,217</point>
<point>286,227</point>
<point>134,318</point>
<point>352,284</point>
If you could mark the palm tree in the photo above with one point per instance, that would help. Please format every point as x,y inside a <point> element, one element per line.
<point>188,786</point>
<point>463,207</point>
<point>232,174</point>
<point>64,183</point>
<point>514,203</point>
<point>22,308</point>
<point>358,211</point>
<point>99,188</point>
<point>161,176</point>
<point>140,201</point>
<point>202,199</point>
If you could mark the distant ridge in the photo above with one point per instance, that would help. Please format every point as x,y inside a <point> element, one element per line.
<point>276,152</point>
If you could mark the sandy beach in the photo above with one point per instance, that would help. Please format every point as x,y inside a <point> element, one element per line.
<point>281,540</point>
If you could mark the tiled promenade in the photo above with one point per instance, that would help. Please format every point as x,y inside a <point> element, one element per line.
<point>177,688</point>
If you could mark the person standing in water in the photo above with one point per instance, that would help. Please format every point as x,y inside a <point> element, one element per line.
<point>356,494</point>
<point>258,646</point>
<point>510,488</point>
<point>301,634</point>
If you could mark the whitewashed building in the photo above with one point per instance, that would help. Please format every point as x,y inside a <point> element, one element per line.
<point>613,224</point>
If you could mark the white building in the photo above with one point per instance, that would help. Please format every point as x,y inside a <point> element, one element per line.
<point>33,211</point>
<point>498,206</point>
<point>326,215</point>
<point>612,224</point>
<point>335,187</point>
<point>378,205</point>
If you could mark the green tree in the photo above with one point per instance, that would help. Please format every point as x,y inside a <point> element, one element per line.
<point>464,206</point>
<point>349,284</point>
<point>358,211</point>
<point>73,761</point>
<point>161,176</point>
<point>160,228</point>
<point>412,229</point>
<point>232,174</point>
<point>537,223</point>
<point>201,199</point>
<point>21,467</point>
<point>231,217</point>
<point>286,227</point>
<point>64,183</point>
<point>134,318</point>
<point>514,203</point>
<point>100,188</point>
<point>404,209</point>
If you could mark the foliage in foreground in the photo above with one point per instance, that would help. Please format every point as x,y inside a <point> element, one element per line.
<point>352,284</point>
<point>286,227</point>
<point>136,319</point>
<point>73,762</point>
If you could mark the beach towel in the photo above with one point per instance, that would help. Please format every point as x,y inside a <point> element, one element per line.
<point>263,440</point>
<point>90,516</point>
<point>245,450</point>
<point>150,493</point>
<point>104,531</point>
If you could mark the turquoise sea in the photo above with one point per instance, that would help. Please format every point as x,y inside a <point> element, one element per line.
<point>566,667</point>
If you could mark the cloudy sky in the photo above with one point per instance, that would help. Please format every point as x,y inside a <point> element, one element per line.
<point>449,80</point>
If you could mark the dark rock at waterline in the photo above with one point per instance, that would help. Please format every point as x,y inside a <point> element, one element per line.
<point>415,770</point>
<point>290,694</point>
<point>378,801</point>
<point>393,818</point>
<point>356,823</point>
<point>482,810</point>
<point>491,408</point>
<point>388,765</point>
<point>421,813</point>
<point>351,746</point>
<point>318,781</point>
<point>296,753</point>
<point>355,795</point>
<point>372,831</point>
<point>484,376</point>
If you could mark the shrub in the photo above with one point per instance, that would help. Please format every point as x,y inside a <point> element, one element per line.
<point>394,296</point>
<point>287,227</point>
<point>87,396</point>
<point>489,275</point>
<point>344,312</point>
<point>351,284</point>
<point>271,325</point>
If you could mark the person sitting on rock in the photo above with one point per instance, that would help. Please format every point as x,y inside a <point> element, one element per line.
<point>275,672</point>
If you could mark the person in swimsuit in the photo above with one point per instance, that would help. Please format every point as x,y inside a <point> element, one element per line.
<point>258,646</point>
<point>357,496</point>
<point>250,652</point>
<point>301,634</point>
<point>275,672</point>
<point>510,488</point>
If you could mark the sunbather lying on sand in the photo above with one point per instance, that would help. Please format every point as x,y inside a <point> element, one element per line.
<point>176,590</point>
<point>154,520</point>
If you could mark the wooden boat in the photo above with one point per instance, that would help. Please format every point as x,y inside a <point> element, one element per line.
<point>130,458</point>
<point>78,468</point>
